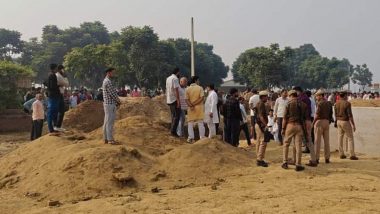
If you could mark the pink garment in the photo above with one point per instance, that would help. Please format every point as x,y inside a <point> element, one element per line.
<point>135,93</point>
<point>38,110</point>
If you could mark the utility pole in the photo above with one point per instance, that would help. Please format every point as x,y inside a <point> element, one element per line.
<point>192,48</point>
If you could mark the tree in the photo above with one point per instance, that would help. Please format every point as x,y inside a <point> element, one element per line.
<point>260,67</point>
<point>10,43</point>
<point>10,74</point>
<point>362,76</point>
<point>88,64</point>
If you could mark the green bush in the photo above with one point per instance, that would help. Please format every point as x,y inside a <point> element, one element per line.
<point>10,73</point>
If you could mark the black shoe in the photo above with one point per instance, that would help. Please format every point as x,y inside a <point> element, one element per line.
<point>299,168</point>
<point>312,164</point>
<point>306,150</point>
<point>354,158</point>
<point>175,135</point>
<point>343,157</point>
<point>327,160</point>
<point>262,163</point>
<point>285,166</point>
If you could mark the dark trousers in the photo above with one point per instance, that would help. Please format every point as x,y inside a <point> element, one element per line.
<point>312,131</point>
<point>253,124</point>
<point>244,127</point>
<point>279,124</point>
<point>175,114</point>
<point>61,112</point>
<point>232,131</point>
<point>36,129</point>
<point>52,112</point>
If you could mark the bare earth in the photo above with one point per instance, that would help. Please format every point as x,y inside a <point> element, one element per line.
<point>170,176</point>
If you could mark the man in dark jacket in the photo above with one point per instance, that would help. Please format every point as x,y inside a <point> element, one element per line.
<point>232,117</point>
<point>53,97</point>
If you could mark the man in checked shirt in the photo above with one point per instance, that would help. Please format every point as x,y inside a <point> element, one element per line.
<point>110,103</point>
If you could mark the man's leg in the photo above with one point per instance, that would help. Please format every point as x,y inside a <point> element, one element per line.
<point>318,131</point>
<point>211,129</point>
<point>309,142</point>
<point>33,134</point>
<point>340,138</point>
<point>190,130</point>
<point>172,114</point>
<point>105,122</point>
<point>61,111</point>
<point>201,128</point>
<point>50,114</point>
<point>235,132</point>
<point>40,124</point>
<point>350,137</point>
<point>246,132</point>
<point>298,145</point>
<point>260,137</point>
<point>176,118</point>
<point>326,139</point>
<point>254,127</point>
<point>181,124</point>
<point>279,124</point>
<point>112,117</point>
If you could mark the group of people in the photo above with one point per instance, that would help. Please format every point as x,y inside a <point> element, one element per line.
<point>295,116</point>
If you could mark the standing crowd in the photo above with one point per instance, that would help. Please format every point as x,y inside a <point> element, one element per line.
<point>296,116</point>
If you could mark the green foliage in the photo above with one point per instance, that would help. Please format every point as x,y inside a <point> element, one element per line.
<point>10,73</point>
<point>10,43</point>
<point>264,67</point>
<point>362,76</point>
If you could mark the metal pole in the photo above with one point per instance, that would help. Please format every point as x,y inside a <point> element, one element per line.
<point>192,48</point>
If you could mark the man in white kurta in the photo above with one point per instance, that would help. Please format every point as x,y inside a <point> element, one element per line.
<point>211,110</point>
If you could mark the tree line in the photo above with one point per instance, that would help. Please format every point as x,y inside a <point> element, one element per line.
<point>143,59</point>
<point>137,53</point>
<point>269,67</point>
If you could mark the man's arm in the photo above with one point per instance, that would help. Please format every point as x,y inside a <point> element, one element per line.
<point>177,97</point>
<point>351,117</point>
<point>113,93</point>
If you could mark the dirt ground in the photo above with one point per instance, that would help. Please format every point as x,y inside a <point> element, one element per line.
<point>152,172</point>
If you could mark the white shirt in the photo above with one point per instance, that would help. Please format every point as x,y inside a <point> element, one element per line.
<point>280,106</point>
<point>182,98</point>
<point>62,82</point>
<point>243,113</point>
<point>270,123</point>
<point>211,107</point>
<point>172,83</point>
<point>73,101</point>
<point>313,107</point>
<point>253,101</point>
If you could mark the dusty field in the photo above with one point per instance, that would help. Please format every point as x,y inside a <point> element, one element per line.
<point>151,172</point>
<point>365,103</point>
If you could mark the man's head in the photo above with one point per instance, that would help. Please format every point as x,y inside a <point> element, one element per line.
<point>183,82</point>
<point>234,93</point>
<point>271,112</point>
<point>241,100</point>
<point>53,67</point>
<point>298,89</point>
<point>210,87</point>
<point>254,91</point>
<point>284,93</point>
<point>176,72</point>
<point>195,79</point>
<point>109,72</point>
<point>61,68</point>
<point>308,93</point>
<point>320,94</point>
<point>39,96</point>
<point>264,96</point>
<point>292,94</point>
<point>343,94</point>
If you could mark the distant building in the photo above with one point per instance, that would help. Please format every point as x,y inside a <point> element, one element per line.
<point>375,87</point>
<point>227,85</point>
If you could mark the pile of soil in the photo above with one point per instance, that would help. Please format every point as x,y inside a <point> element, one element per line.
<point>89,115</point>
<point>77,167</point>
<point>365,103</point>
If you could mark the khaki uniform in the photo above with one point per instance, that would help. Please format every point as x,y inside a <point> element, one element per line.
<point>322,127</point>
<point>261,111</point>
<point>293,129</point>
<point>343,113</point>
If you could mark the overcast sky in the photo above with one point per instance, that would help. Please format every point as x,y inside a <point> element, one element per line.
<point>341,28</point>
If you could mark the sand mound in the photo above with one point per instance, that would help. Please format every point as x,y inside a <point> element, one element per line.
<point>205,160</point>
<point>86,117</point>
<point>89,115</point>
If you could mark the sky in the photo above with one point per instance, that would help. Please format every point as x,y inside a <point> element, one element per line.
<point>337,28</point>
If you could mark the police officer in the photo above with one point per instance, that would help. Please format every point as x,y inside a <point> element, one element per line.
<point>261,129</point>
<point>321,124</point>
<point>345,124</point>
<point>308,125</point>
<point>295,114</point>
